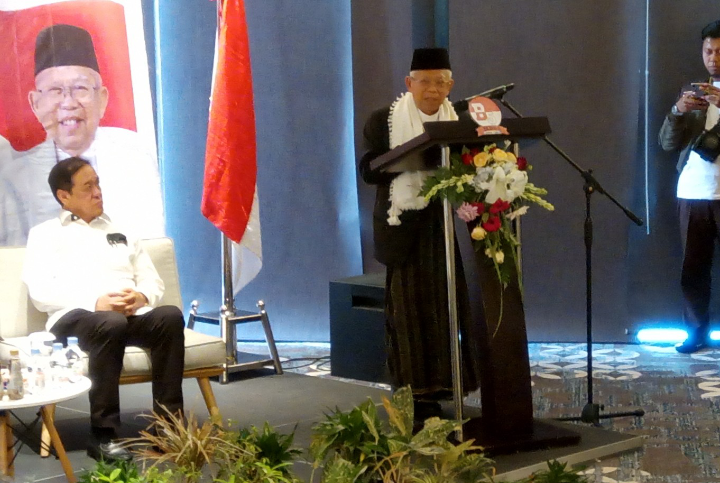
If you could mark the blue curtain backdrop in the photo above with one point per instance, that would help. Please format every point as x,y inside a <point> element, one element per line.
<point>583,64</point>
<point>301,60</point>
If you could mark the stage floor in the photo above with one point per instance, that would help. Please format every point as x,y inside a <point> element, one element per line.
<point>291,401</point>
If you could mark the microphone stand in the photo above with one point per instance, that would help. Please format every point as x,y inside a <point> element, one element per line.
<point>591,410</point>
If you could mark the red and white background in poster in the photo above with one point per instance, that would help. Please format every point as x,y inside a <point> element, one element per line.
<point>122,146</point>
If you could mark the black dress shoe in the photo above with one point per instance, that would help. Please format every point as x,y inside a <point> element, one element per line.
<point>110,451</point>
<point>691,345</point>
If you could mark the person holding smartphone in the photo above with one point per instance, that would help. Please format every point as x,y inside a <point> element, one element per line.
<point>698,189</point>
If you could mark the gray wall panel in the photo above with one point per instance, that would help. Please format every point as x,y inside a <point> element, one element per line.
<point>577,63</point>
<point>382,50</point>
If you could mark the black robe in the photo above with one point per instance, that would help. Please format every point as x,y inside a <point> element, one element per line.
<point>416,302</point>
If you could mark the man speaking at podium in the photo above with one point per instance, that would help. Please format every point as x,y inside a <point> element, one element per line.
<point>409,241</point>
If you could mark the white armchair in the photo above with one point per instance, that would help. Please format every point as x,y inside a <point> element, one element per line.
<point>204,354</point>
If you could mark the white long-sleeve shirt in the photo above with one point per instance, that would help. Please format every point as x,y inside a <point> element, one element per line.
<point>120,157</point>
<point>70,263</point>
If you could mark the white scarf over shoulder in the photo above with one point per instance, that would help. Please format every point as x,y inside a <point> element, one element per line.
<point>405,124</point>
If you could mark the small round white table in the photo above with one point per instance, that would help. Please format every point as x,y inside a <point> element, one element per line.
<point>45,400</point>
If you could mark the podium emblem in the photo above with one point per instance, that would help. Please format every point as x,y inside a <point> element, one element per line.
<point>486,115</point>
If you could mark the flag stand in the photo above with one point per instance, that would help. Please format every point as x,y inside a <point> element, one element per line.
<point>228,317</point>
<point>227,284</point>
<point>231,135</point>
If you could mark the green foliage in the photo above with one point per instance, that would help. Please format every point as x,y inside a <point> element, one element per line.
<point>260,456</point>
<point>352,435</point>
<point>276,448</point>
<point>354,446</point>
<point>112,472</point>
<point>357,447</point>
<point>190,451</point>
<point>245,470</point>
<point>556,473</point>
<point>452,183</point>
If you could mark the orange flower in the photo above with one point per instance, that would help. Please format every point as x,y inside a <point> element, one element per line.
<point>481,159</point>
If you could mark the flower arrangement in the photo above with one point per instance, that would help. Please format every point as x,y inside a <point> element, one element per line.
<point>490,189</point>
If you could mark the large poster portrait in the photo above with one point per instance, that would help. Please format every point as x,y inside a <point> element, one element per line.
<point>75,83</point>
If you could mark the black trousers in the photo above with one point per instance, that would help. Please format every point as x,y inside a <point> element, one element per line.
<point>700,228</point>
<point>104,336</point>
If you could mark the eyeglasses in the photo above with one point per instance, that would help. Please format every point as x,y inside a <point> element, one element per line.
<point>438,84</point>
<point>89,187</point>
<point>79,92</point>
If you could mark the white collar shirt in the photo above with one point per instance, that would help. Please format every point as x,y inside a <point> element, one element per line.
<point>700,179</point>
<point>69,264</point>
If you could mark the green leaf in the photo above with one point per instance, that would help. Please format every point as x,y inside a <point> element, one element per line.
<point>435,431</point>
<point>340,470</point>
<point>371,426</point>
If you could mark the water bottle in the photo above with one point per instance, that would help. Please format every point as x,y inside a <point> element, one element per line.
<point>73,350</point>
<point>5,373</point>
<point>15,385</point>
<point>39,379</point>
<point>76,359</point>
<point>36,368</point>
<point>28,380</point>
<point>58,365</point>
<point>57,358</point>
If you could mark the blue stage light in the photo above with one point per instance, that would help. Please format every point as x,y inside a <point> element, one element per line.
<point>663,336</point>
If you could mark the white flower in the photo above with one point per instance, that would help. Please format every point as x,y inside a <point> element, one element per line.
<point>504,186</point>
<point>519,212</point>
<point>498,256</point>
<point>482,175</point>
<point>496,186</point>
<point>516,184</point>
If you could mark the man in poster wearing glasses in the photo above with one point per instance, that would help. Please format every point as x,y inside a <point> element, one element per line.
<point>69,101</point>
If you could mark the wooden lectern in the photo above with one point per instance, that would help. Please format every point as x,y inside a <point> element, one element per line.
<point>507,423</point>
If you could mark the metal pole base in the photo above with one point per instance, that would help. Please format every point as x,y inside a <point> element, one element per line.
<point>591,414</point>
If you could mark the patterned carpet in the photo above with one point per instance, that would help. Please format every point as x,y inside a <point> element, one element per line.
<point>680,395</point>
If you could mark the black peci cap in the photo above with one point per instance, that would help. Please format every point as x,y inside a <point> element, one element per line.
<point>60,45</point>
<point>430,59</point>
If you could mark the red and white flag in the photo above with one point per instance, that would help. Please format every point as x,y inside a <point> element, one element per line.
<point>230,191</point>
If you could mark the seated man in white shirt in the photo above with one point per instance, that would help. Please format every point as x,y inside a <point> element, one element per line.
<point>100,286</point>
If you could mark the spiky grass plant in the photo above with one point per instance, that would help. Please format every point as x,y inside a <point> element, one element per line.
<point>187,445</point>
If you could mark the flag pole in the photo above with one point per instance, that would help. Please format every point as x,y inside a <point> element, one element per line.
<point>228,298</point>
<point>227,281</point>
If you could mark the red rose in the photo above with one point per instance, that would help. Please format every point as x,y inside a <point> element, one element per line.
<point>467,158</point>
<point>491,149</point>
<point>474,151</point>
<point>480,207</point>
<point>499,206</point>
<point>522,163</point>
<point>493,224</point>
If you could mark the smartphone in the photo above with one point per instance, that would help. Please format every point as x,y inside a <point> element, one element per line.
<point>697,89</point>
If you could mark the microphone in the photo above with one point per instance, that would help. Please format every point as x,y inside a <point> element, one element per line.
<point>494,93</point>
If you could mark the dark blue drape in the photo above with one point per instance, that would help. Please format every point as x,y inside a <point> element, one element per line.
<point>306,177</point>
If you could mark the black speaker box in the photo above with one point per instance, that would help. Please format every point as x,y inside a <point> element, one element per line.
<point>357,328</point>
